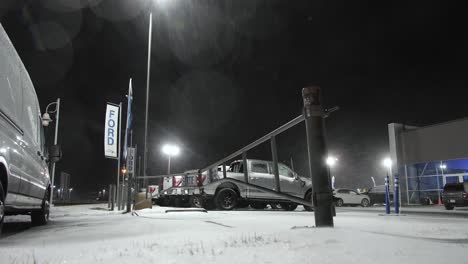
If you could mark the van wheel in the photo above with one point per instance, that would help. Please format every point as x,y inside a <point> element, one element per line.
<point>2,207</point>
<point>41,217</point>
<point>196,201</point>
<point>226,199</point>
<point>308,198</point>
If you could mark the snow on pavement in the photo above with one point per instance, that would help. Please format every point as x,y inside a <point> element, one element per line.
<point>90,234</point>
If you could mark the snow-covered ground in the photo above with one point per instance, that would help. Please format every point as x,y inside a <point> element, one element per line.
<point>90,234</point>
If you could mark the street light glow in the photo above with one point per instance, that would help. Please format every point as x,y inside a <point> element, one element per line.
<point>387,162</point>
<point>443,166</point>
<point>171,150</point>
<point>331,161</point>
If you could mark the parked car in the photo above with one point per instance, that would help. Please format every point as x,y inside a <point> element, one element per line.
<point>226,195</point>
<point>455,195</point>
<point>350,197</point>
<point>377,194</point>
<point>24,175</point>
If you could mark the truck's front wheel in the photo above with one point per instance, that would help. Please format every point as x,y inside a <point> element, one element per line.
<point>226,199</point>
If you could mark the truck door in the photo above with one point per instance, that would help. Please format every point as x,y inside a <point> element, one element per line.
<point>288,182</point>
<point>259,174</point>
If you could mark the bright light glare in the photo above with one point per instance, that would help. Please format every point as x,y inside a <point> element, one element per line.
<point>387,162</point>
<point>443,166</point>
<point>331,161</point>
<point>170,150</point>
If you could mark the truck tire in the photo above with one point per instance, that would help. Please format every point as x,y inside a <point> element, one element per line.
<point>41,217</point>
<point>226,199</point>
<point>196,201</point>
<point>289,206</point>
<point>2,207</point>
<point>258,205</point>
<point>308,198</point>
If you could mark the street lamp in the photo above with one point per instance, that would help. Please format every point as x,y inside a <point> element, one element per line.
<point>145,149</point>
<point>45,122</point>
<point>331,161</point>
<point>387,163</point>
<point>170,150</point>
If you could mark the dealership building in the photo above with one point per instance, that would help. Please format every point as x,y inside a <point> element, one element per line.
<point>426,158</point>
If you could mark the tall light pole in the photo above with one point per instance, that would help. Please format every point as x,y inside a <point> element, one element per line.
<point>45,122</point>
<point>145,148</point>
<point>170,150</point>
<point>442,167</point>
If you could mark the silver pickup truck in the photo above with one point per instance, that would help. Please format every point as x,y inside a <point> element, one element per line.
<point>226,195</point>
<point>24,174</point>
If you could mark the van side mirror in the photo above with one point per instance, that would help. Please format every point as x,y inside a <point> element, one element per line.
<point>55,153</point>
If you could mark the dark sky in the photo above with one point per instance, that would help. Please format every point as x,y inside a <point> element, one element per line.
<point>224,73</point>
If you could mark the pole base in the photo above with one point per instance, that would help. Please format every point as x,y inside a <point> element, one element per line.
<point>392,215</point>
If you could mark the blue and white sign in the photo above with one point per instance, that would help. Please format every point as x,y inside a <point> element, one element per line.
<point>111,131</point>
<point>131,160</point>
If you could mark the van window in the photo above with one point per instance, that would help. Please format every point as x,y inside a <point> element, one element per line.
<point>31,110</point>
<point>10,88</point>
<point>42,138</point>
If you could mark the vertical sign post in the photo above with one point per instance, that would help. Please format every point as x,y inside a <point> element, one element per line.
<point>387,195</point>
<point>112,135</point>
<point>130,173</point>
<point>396,194</point>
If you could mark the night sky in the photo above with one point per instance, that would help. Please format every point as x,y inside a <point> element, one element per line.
<point>224,73</point>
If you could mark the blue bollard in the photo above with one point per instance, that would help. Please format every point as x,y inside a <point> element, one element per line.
<point>387,196</point>
<point>396,198</point>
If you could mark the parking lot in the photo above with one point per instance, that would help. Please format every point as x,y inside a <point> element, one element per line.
<point>90,233</point>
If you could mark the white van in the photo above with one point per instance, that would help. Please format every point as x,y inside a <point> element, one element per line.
<point>24,173</point>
